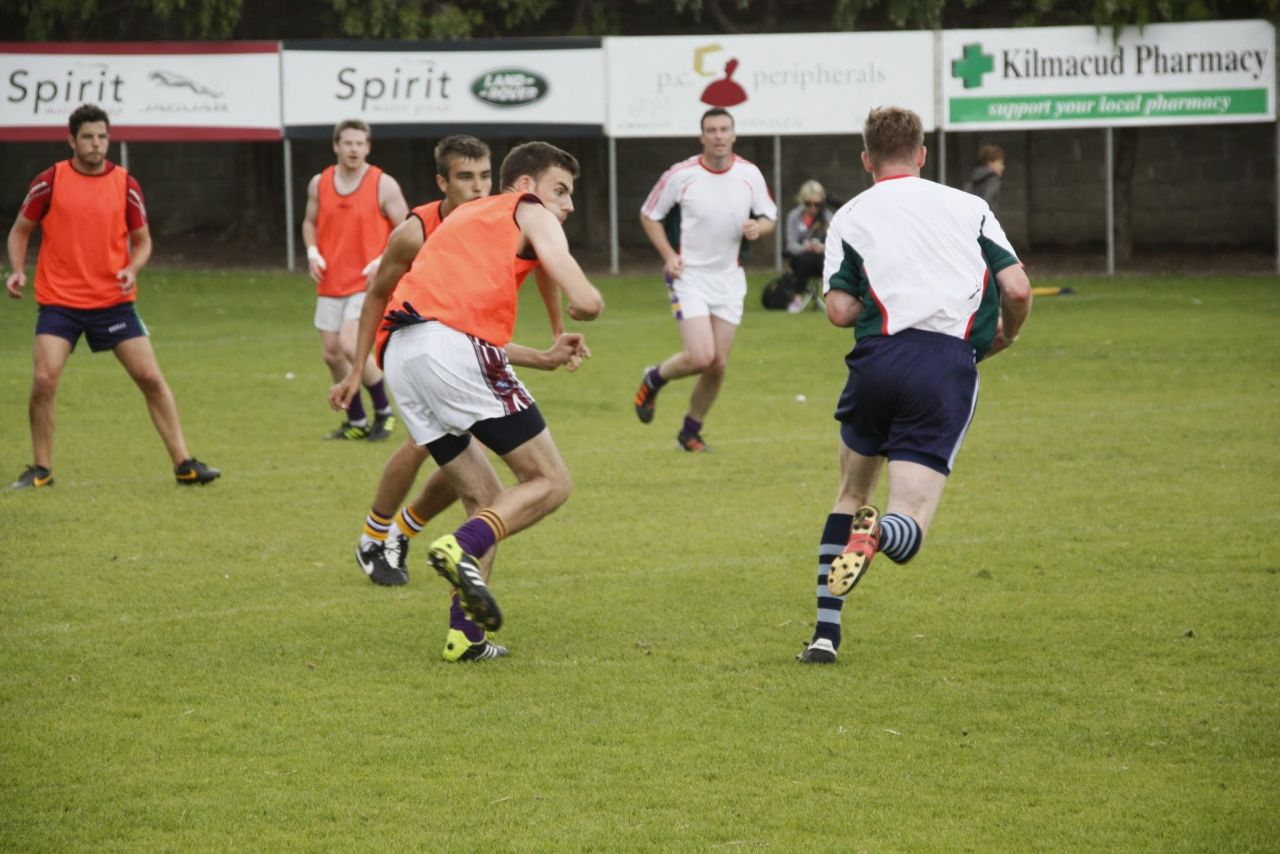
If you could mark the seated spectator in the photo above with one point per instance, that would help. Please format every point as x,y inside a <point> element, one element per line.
<point>806,239</point>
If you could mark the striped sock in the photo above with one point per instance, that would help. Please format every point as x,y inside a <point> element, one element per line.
<point>375,530</point>
<point>835,534</point>
<point>900,537</point>
<point>410,523</point>
<point>478,535</point>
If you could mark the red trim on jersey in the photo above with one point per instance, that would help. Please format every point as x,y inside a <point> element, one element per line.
<point>703,163</point>
<point>40,196</point>
<point>656,192</point>
<point>140,48</point>
<point>896,177</point>
<point>884,312</point>
<point>148,133</point>
<point>968,327</point>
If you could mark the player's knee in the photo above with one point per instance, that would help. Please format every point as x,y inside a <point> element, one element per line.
<point>559,488</point>
<point>701,360</point>
<point>151,383</point>
<point>44,382</point>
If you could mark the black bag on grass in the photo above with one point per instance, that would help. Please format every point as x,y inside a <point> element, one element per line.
<point>777,295</point>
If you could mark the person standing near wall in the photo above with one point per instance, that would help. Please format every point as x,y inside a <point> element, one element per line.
<point>699,216</point>
<point>95,240</point>
<point>351,208</point>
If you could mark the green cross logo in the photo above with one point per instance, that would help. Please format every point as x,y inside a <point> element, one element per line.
<point>972,65</point>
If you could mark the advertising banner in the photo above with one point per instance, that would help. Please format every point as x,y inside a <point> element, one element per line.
<point>549,87</point>
<point>151,90</point>
<point>1059,77</point>
<point>772,84</point>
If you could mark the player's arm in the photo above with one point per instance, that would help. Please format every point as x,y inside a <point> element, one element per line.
<point>393,206</point>
<point>757,227</point>
<point>315,263</point>
<point>1015,306</point>
<point>843,308</point>
<point>19,239</point>
<point>139,255</point>
<point>402,247</point>
<point>569,349</point>
<point>672,263</point>
<point>544,233</point>
<point>550,293</point>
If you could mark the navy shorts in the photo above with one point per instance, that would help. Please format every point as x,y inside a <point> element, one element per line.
<point>103,328</point>
<point>910,396</point>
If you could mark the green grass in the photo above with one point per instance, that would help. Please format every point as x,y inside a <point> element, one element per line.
<point>1084,656</point>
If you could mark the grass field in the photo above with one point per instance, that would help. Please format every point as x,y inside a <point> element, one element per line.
<point>1085,656</point>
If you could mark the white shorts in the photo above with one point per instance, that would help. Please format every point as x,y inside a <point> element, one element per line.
<point>445,381</point>
<point>698,293</point>
<point>332,312</point>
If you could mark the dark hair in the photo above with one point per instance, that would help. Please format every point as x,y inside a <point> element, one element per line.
<point>87,113</point>
<point>352,124</point>
<point>714,111</point>
<point>458,146</point>
<point>534,158</point>
<point>990,153</point>
<point>892,133</point>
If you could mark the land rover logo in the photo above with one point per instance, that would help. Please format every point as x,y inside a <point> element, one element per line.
<point>509,87</point>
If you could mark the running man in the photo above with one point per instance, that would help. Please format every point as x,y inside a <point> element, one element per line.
<point>442,346</point>
<point>699,216</point>
<point>930,284</point>
<point>94,241</point>
<point>351,208</point>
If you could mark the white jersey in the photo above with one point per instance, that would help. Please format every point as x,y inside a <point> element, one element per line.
<point>713,208</point>
<point>919,255</point>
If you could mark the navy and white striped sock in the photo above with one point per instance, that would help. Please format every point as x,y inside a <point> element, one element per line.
<point>835,535</point>
<point>900,537</point>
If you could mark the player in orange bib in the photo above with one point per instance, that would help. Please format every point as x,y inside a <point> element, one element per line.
<point>351,208</point>
<point>452,314</point>
<point>95,239</point>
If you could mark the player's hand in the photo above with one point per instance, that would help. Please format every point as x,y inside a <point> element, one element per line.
<point>751,229</point>
<point>370,270</point>
<point>128,279</point>
<point>14,284</point>
<point>567,348</point>
<point>315,263</point>
<point>674,267</point>
<point>341,394</point>
<point>999,342</point>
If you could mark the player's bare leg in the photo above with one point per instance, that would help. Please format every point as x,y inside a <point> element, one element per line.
<point>139,359</point>
<point>49,354</point>
<point>711,378</point>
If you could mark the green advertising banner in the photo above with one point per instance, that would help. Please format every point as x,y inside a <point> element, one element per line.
<point>1054,77</point>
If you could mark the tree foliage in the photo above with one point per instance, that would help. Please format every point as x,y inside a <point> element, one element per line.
<point>51,20</point>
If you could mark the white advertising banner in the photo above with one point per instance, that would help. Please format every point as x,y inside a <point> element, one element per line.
<point>772,84</point>
<point>151,90</point>
<point>1057,77</point>
<point>405,88</point>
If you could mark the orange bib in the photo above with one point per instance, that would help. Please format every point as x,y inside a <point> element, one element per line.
<point>468,275</point>
<point>84,240</point>
<point>350,232</point>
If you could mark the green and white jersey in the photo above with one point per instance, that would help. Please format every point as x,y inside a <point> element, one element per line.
<point>919,255</point>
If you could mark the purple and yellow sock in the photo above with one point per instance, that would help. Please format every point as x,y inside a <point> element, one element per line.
<point>378,397</point>
<point>410,523</point>
<point>479,534</point>
<point>458,620</point>
<point>355,412</point>
<point>376,526</point>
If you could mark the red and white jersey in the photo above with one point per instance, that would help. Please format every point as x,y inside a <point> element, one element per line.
<point>713,208</point>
